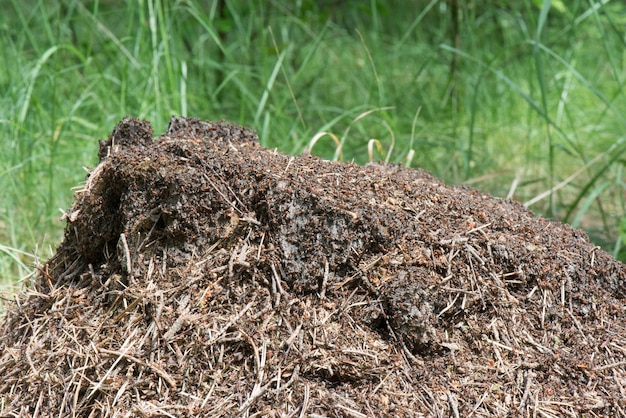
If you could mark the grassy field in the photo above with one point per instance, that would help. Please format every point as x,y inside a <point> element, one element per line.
<point>523,101</point>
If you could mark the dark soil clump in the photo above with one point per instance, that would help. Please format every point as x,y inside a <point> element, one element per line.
<point>202,275</point>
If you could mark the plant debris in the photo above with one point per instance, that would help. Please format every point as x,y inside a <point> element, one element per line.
<point>201,274</point>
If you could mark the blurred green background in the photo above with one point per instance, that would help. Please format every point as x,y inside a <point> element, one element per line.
<point>521,99</point>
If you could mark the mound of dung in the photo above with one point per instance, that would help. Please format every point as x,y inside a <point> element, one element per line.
<point>202,275</point>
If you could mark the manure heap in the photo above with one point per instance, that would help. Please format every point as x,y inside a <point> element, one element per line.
<point>202,275</point>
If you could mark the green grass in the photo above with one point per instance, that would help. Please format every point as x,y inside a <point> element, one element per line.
<point>530,98</point>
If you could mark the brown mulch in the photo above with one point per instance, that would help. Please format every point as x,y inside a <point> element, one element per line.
<point>202,275</point>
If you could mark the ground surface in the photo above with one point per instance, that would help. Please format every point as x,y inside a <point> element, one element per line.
<point>204,275</point>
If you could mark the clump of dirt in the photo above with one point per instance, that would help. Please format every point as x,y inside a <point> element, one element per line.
<point>202,275</point>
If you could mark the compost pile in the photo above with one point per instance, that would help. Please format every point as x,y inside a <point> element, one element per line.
<point>202,275</point>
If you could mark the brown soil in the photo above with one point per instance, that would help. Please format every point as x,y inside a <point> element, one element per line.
<point>204,275</point>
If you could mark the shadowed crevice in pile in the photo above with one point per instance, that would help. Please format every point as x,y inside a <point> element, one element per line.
<point>203,274</point>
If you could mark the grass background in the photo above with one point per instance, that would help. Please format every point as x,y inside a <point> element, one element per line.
<point>520,99</point>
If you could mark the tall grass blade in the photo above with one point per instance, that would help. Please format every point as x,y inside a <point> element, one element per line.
<point>586,83</point>
<point>543,16</point>
<point>34,74</point>
<point>110,35</point>
<point>268,87</point>
<point>588,201</point>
